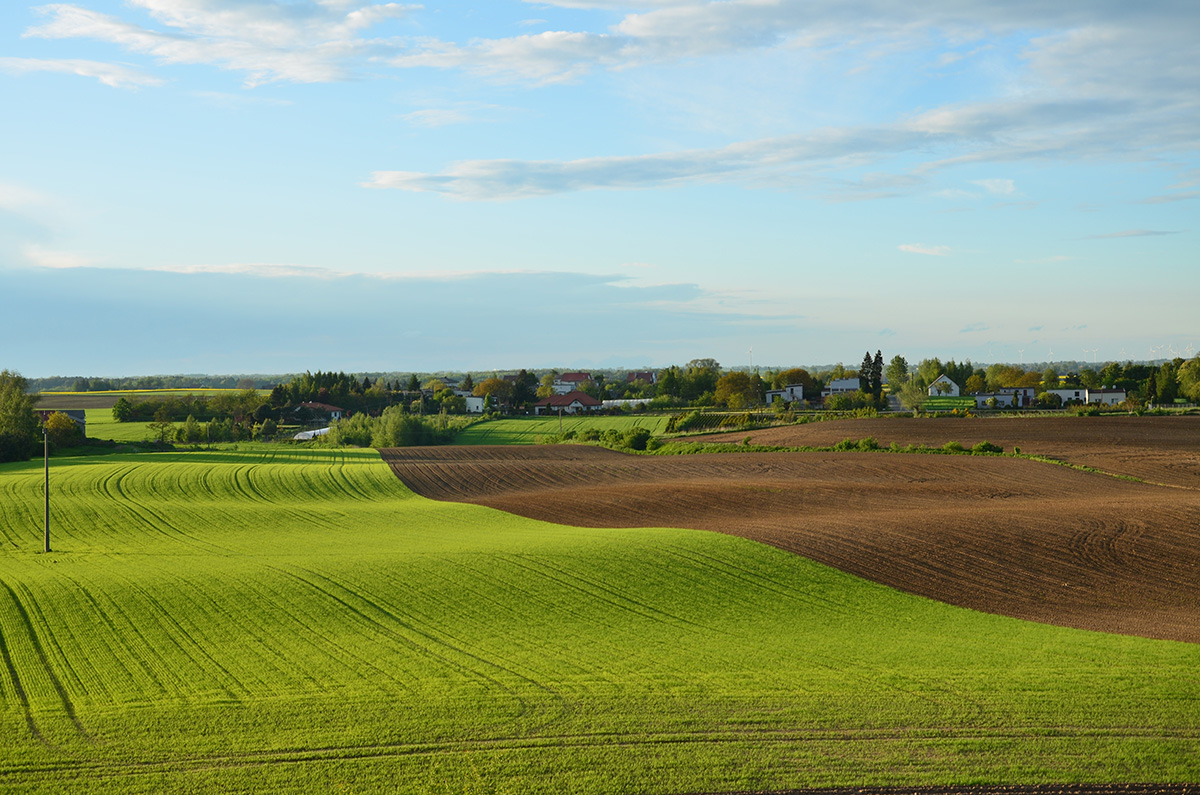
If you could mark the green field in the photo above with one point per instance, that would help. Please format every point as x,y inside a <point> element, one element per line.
<point>526,430</point>
<point>948,403</point>
<point>296,620</point>
<point>101,425</point>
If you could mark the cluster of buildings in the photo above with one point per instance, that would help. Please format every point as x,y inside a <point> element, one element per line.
<point>1026,396</point>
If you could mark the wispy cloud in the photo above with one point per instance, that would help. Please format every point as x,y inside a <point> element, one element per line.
<point>303,42</point>
<point>1059,258</point>
<point>43,257</point>
<point>1134,233</point>
<point>921,248</point>
<point>16,198</point>
<point>1170,197</point>
<point>999,187</point>
<point>109,74</point>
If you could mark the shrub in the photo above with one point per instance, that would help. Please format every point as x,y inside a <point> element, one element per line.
<point>952,447</point>
<point>636,438</point>
<point>987,447</point>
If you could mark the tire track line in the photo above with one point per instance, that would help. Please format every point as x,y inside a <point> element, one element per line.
<point>40,651</point>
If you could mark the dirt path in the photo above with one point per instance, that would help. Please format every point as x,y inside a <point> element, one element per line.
<point>1001,535</point>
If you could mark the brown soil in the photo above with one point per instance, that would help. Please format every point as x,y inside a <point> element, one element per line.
<point>1033,789</point>
<point>1001,535</point>
<point>1158,449</point>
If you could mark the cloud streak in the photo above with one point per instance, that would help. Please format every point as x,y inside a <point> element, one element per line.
<point>114,75</point>
<point>308,42</point>
<point>1134,233</point>
<point>921,248</point>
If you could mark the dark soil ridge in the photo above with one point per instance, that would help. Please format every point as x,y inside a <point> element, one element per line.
<point>1032,789</point>
<point>1001,535</point>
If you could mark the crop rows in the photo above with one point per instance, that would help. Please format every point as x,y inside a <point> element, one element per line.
<point>299,621</point>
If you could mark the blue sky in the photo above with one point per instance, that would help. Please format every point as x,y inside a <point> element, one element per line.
<point>270,186</point>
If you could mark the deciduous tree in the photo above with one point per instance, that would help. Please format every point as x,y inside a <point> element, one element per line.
<point>18,423</point>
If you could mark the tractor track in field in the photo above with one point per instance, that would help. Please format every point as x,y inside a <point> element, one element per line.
<point>103,769</point>
<point>1002,535</point>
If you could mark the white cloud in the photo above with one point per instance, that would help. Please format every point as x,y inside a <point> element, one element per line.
<point>109,74</point>
<point>1170,197</point>
<point>267,270</point>
<point>1134,233</point>
<point>462,113</point>
<point>17,198</point>
<point>43,257</point>
<point>270,41</point>
<point>548,57</point>
<point>921,248</point>
<point>1000,187</point>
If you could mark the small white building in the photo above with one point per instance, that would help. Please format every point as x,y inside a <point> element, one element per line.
<point>942,385</point>
<point>475,404</point>
<point>789,394</point>
<point>1070,395</point>
<point>570,382</point>
<point>1106,397</point>
<point>840,386</point>
<point>1008,397</point>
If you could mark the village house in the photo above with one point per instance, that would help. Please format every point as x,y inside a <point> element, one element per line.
<point>789,394</point>
<point>570,382</point>
<point>840,386</point>
<point>649,376</point>
<point>322,410</point>
<point>570,403</point>
<point>1007,397</point>
<point>942,385</point>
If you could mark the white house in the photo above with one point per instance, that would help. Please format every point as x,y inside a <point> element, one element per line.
<point>840,386</point>
<point>1007,397</point>
<point>1069,395</point>
<point>1106,397</point>
<point>333,412</point>
<point>789,394</point>
<point>475,404</point>
<point>569,382</point>
<point>942,385</point>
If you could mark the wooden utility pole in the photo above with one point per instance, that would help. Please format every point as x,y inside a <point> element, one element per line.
<point>46,459</point>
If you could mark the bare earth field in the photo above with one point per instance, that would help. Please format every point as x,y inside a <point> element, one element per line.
<point>1159,449</point>
<point>1002,535</point>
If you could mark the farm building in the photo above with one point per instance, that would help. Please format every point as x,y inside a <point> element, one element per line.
<point>789,394</point>
<point>1070,395</point>
<point>570,403</point>
<point>840,386</point>
<point>323,410</point>
<point>1007,397</point>
<point>942,385</point>
<point>1106,397</point>
<point>569,382</point>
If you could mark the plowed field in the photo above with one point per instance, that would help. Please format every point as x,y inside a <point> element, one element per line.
<point>1001,535</point>
<point>1158,449</point>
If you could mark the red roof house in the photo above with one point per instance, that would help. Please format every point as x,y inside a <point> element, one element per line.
<point>571,403</point>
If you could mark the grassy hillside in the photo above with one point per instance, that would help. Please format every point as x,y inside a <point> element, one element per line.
<point>525,430</point>
<point>298,621</point>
